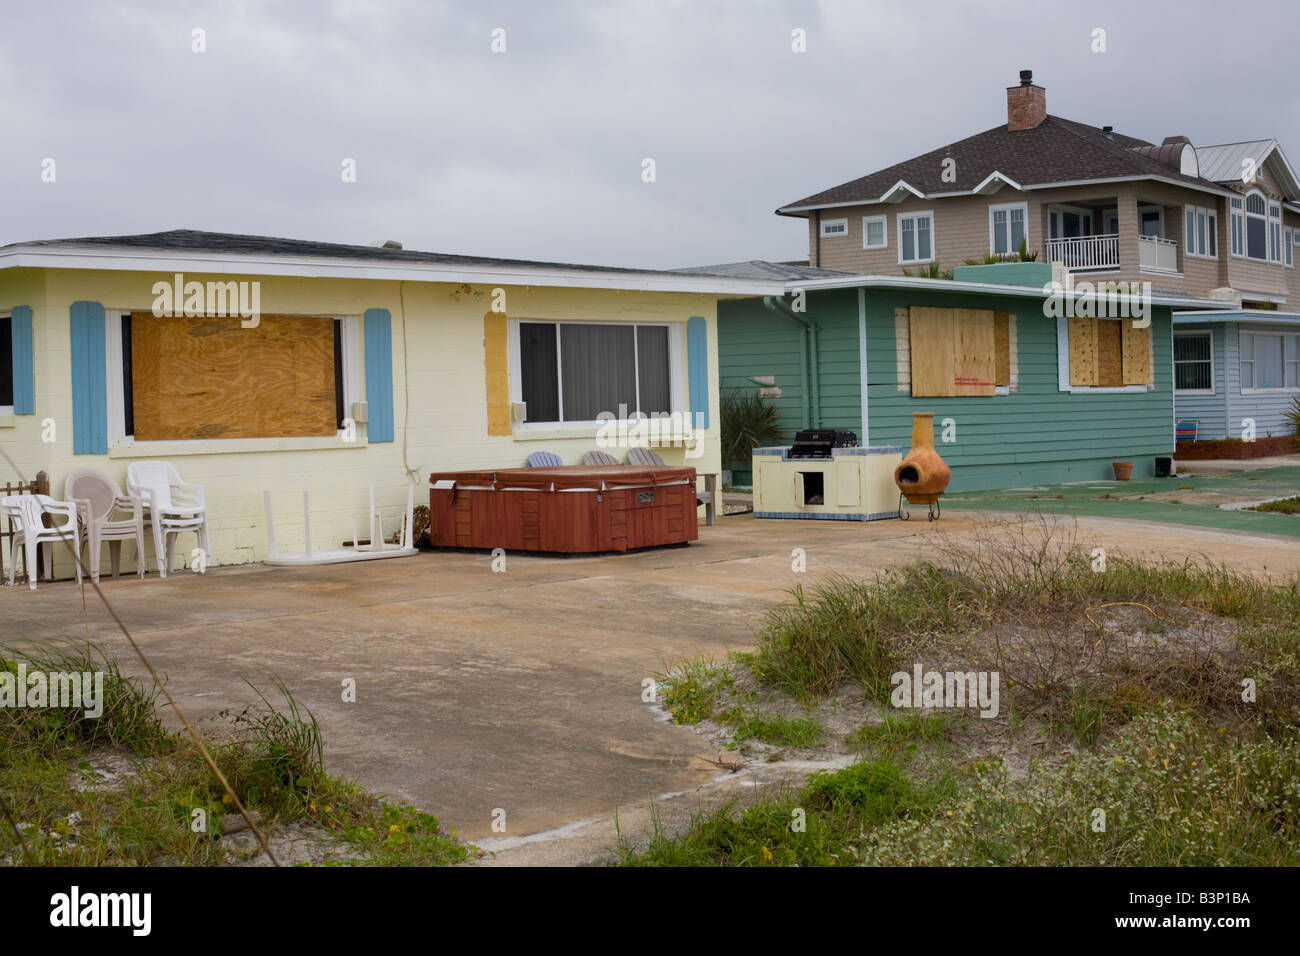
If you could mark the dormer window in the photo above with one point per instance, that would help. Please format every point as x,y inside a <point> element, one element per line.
<point>1256,226</point>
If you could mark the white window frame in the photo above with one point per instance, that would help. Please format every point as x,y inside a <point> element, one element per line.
<point>1007,207</point>
<point>826,223</point>
<point>1237,227</point>
<point>918,215</point>
<point>1192,244</point>
<point>1063,366</point>
<point>1275,232</point>
<point>1206,333</point>
<point>582,429</point>
<point>884,231</point>
<point>1056,220</point>
<point>121,444</point>
<point>1159,211</point>
<point>1247,215</point>
<point>1252,389</point>
<point>1288,246</point>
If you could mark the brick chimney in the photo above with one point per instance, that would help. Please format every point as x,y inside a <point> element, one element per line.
<point>1026,104</point>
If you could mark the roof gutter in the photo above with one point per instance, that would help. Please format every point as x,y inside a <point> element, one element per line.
<point>984,288</point>
<point>809,380</point>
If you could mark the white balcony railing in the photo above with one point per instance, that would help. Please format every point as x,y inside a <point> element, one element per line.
<point>1085,252</point>
<point>1157,255</point>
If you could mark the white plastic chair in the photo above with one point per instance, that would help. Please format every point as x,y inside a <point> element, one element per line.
<point>98,499</point>
<point>172,506</point>
<point>26,513</point>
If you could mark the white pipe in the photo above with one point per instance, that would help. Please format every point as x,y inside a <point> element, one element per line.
<point>270,526</point>
<point>306,522</point>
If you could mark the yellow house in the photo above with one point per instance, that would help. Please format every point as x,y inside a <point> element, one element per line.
<point>256,364</point>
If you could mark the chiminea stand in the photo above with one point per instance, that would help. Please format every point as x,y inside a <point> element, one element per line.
<point>935,509</point>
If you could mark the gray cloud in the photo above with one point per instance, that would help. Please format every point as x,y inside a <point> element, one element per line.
<point>537,152</point>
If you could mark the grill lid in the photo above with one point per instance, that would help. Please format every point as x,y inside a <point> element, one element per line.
<point>820,442</point>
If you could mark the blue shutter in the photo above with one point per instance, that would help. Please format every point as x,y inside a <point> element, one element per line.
<point>379,374</point>
<point>20,321</point>
<point>697,361</point>
<point>89,386</point>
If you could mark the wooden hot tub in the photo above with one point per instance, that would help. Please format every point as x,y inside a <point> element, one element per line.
<point>572,509</point>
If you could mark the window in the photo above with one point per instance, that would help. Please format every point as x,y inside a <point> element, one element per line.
<point>1275,232</point>
<point>832,228</point>
<point>1201,225</point>
<point>1151,221</point>
<point>1193,362</point>
<point>1288,245</point>
<point>186,378</point>
<point>1007,228</point>
<point>958,351</point>
<point>915,237</point>
<point>1238,223</point>
<point>1111,354</point>
<point>1256,227</point>
<point>575,371</point>
<point>875,232</point>
<point>1269,360</point>
<point>6,364</point>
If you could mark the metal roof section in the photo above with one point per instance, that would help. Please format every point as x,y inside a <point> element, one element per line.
<point>1224,163</point>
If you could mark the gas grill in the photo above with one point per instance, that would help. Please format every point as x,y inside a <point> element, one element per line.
<point>824,474</point>
<point>819,443</point>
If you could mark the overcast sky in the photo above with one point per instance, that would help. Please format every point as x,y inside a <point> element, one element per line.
<point>537,152</point>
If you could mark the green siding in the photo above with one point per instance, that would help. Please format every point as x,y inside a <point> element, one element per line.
<point>1035,435</point>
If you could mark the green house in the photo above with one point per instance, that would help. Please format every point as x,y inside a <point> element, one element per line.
<point>1030,382</point>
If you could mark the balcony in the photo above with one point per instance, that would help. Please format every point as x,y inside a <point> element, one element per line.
<point>1157,255</point>
<point>1085,253</point>
<point>1101,254</point>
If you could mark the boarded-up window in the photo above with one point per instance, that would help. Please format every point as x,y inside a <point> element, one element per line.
<point>202,377</point>
<point>958,351</point>
<point>1108,353</point>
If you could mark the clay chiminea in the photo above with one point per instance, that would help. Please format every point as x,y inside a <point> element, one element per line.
<point>922,476</point>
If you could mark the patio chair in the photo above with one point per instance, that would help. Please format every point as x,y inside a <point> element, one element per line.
<point>27,513</point>
<point>172,506</point>
<point>644,457</point>
<point>598,457</point>
<point>544,459</point>
<point>99,499</point>
<point>1185,430</point>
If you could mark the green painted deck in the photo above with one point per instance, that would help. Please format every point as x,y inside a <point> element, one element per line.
<point>1187,500</point>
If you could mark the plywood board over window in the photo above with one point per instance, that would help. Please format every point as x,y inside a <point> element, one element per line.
<point>204,377</point>
<point>955,352</point>
<point>1109,353</point>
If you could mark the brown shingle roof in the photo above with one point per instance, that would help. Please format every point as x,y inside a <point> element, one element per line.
<point>1057,150</point>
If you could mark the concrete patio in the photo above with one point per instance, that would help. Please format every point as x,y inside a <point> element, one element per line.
<point>518,690</point>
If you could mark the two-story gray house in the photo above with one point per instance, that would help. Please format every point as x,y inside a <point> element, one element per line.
<point>1215,221</point>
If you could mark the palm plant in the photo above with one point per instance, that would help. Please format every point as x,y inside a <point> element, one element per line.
<point>749,421</point>
<point>1292,416</point>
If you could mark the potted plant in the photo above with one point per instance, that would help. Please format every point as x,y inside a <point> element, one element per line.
<point>1123,470</point>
